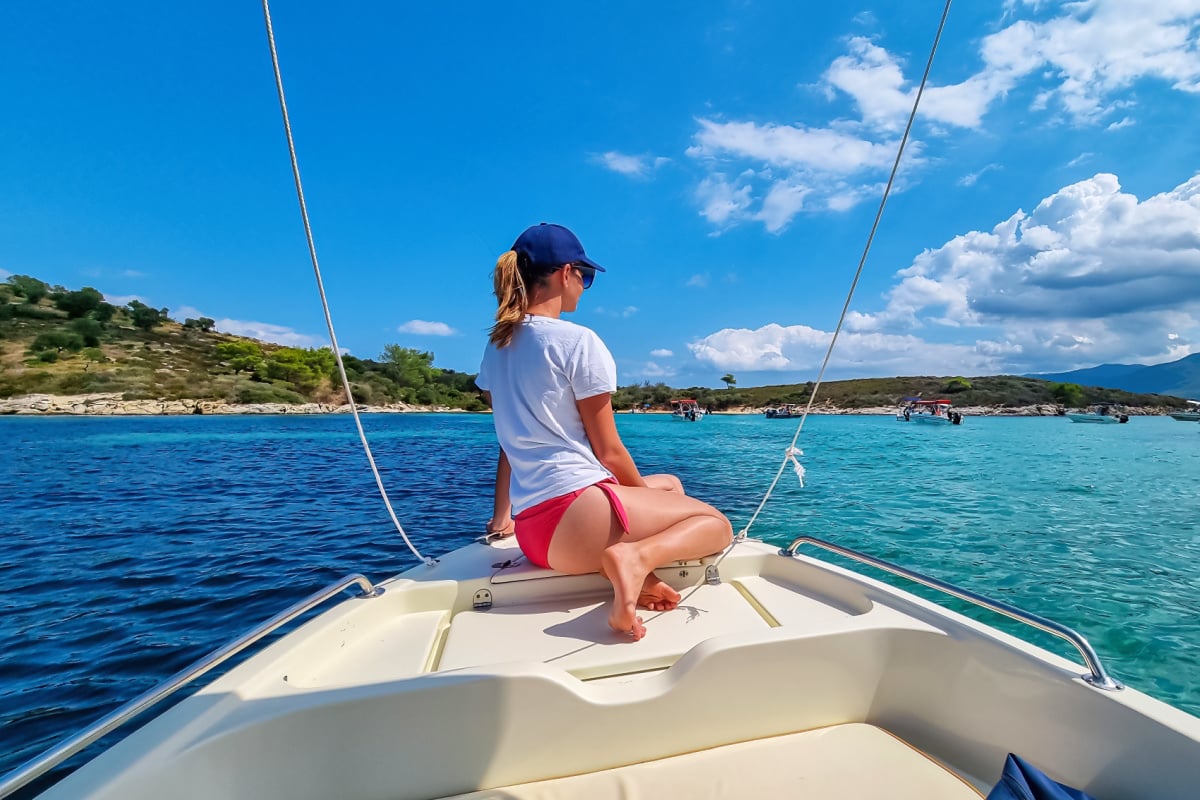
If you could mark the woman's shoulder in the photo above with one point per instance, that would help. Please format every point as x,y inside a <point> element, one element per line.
<point>562,328</point>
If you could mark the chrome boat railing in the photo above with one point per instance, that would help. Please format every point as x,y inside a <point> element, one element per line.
<point>1098,677</point>
<point>38,766</point>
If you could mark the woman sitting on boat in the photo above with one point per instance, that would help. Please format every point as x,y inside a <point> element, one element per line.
<point>577,500</point>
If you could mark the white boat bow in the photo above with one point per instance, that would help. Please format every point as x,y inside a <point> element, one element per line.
<point>482,676</point>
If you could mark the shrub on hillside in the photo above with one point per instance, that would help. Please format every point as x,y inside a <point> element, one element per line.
<point>88,329</point>
<point>264,393</point>
<point>28,287</point>
<point>80,303</point>
<point>57,341</point>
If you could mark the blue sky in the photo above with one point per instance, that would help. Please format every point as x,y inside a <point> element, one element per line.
<point>723,160</point>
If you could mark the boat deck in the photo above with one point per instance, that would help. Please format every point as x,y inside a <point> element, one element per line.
<point>482,676</point>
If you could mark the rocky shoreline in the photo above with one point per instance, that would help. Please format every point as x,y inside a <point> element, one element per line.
<point>114,405</point>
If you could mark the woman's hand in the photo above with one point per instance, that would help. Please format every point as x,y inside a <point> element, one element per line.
<point>500,526</point>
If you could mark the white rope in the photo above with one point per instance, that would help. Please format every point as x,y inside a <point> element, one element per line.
<point>312,252</point>
<point>792,451</point>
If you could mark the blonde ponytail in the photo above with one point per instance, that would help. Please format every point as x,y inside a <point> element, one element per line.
<point>512,295</point>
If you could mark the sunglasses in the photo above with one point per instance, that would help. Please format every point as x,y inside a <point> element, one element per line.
<point>586,274</point>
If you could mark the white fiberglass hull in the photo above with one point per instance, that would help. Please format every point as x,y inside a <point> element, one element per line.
<point>786,671</point>
<point>1092,418</point>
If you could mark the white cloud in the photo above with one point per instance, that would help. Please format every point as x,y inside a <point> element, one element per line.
<point>636,166</point>
<point>970,179</point>
<point>123,299</point>
<point>698,281</point>
<point>652,369</point>
<point>422,328</point>
<point>267,332</point>
<point>5,274</point>
<point>186,312</point>
<point>722,202</point>
<point>1080,61</point>
<point>132,273</point>
<point>799,348</point>
<point>662,352</point>
<point>627,311</point>
<point>790,146</point>
<point>1092,274</point>
<point>1095,49</point>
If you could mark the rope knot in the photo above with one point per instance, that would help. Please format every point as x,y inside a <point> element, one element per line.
<point>792,453</point>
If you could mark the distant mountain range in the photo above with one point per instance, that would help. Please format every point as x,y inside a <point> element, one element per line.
<point>1177,378</point>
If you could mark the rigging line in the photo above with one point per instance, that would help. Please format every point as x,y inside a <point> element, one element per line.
<point>791,451</point>
<point>312,252</point>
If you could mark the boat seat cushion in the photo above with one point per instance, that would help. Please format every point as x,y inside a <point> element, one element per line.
<point>847,762</point>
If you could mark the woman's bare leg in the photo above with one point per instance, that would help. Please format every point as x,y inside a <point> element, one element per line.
<point>657,594</point>
<point>665,482</point>
<point>664,526</point>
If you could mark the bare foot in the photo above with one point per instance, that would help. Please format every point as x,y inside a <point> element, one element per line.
<point>624,567</point>
<point>657,594</point>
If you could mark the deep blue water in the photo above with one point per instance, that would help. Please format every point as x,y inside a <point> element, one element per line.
<point>132,546</point>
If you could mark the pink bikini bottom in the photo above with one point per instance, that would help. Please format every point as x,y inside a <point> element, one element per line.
<point>535,525</point>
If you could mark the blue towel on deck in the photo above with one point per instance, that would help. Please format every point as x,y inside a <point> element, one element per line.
<point>1023,781</point>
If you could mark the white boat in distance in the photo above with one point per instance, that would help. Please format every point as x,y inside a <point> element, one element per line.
<point>935,412</point>
<point>484,677</point>
<point>1099,415</point>
<point>686,408</point>
<point>1191,415</point>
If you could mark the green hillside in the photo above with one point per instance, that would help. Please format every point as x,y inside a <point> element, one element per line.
<point>58,341</point>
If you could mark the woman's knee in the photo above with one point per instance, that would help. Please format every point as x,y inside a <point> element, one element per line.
<point>666,482</point>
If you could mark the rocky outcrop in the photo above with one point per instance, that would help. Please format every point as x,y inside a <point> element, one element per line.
<point>114,405</point>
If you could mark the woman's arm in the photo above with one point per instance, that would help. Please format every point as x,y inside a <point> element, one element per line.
<point>501,521</point>
<point>597,415</point>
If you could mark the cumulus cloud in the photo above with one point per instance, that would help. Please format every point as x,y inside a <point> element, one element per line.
<point>652,369</point>
<point>1092,274</point>
<point>267,332</point>
<point>1080,60</point>
<point>799,348</point>
<point>635,166</point>
<point>662,352</point>
<point>421,327</point>
<point>1090,51</point>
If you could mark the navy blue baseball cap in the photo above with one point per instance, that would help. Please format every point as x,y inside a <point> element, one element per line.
<point>548,246</point>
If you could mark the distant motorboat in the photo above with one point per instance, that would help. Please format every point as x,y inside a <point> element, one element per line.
<point>933,412</point>
<point>1100,415</point>
<point>687,409</point>
<point>785,411</point>
<point>1191,415</point>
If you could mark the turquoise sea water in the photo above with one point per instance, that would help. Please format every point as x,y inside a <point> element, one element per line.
<point>132,546</point>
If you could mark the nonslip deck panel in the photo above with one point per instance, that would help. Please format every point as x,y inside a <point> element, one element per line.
<point>824,763</point>
<point>573,634</point>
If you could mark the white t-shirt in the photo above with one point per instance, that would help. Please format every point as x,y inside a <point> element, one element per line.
<point>535,382</point>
